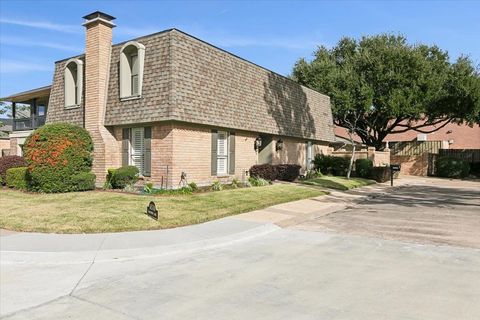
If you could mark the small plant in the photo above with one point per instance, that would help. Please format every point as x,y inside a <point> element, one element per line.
<point>258,182</point>
<point>216,186</point>
<point>148,188</point>
<point>193,186</point>
<point>130,188</point>
<point>236,183</point>
<point>17,178</point>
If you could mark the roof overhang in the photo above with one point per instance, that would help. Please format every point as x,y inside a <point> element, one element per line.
<point>28,95</point>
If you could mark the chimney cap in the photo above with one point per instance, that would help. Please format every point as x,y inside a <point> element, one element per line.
<point>99,15</point>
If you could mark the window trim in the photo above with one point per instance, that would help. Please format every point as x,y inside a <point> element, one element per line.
<point>126,72</point>
<point>78,90</point>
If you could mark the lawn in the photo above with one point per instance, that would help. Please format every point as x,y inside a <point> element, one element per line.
<point>339,183</point>
<point>99,211</point>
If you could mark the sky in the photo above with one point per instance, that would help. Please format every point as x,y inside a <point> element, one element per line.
<point>273,34</point>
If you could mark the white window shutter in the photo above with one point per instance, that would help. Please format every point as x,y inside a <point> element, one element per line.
<point>138,149</point>
<point>222,153</point>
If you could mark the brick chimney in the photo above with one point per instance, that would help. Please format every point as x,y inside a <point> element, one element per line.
<point>97,69</point>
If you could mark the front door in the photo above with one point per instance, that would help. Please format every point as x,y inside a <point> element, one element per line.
<point>138,149</point>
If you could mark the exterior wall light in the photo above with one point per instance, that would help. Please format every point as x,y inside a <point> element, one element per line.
<point>279,145</point>
<point>258,143</point>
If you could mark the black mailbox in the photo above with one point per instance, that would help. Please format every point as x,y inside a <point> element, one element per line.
<point>393,168</point>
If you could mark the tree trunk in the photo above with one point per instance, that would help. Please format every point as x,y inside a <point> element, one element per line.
<point>350,166</point>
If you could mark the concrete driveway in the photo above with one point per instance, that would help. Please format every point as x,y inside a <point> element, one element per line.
<point>400,255</point>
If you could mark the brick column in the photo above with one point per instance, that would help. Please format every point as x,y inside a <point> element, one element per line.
<point>97,68</point>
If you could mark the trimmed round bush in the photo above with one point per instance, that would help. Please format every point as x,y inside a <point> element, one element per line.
<point>287,172</point>
<point>55,154</point>
<point>123,176</point>
<point>363,168</point>
<point>17,178</point>
<point>452,168</point>
<point>8,162</point>
<point>83,181</point>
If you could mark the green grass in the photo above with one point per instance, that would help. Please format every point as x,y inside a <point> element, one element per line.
<point>101,211</point>
<point>339,183</point>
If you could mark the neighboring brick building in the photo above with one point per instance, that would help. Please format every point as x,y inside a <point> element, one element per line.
<point>170,103</point>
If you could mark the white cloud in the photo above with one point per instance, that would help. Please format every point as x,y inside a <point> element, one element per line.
<point>46,25</point>
<point>17,66</point>
<point>16,41</point>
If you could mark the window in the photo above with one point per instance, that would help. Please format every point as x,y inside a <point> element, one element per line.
<point>222,153</point>
<point>136,149</point>
<point>309,155</point>
<point>73,82</point>
<point>131,69</point>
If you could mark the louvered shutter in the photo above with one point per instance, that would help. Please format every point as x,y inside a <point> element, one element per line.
<point>138,150</point>
<point>214,153</point>
<point>147,169</point>
<point>231,153</point>
<point>135,85</point>
<point>135,69</point>
<point>125,146</point>
<point>222,153</point>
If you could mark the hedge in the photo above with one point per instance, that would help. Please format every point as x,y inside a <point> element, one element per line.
<point>17,178</point>
<point>283,172</point>
<point>452,168</point>
<point>363,168</point>
<point>337,166</point>
<point>8,162</point>
<point>55,154</point>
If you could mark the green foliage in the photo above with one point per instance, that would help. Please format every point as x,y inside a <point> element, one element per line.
<point>363,168</point>
<point>109,178</point>
<point>452,168</point>
<point>193,186</point>
<point>55,153</point>
<point>148,188</point>
<point>83,181</point>
<point>10,162</point>
<point>384,84</point>
<point>338,166</point>
<point>236,183</point>
<point>17,178</point>
<point>216,186</point>
<point>258,182</point>
<point>123,176</point>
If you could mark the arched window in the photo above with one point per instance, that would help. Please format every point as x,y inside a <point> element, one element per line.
<point>73,82</point>
<point>132,56</point>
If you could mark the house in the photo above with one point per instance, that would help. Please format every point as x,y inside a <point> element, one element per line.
<point>5,130</point>
<point>169,103</point>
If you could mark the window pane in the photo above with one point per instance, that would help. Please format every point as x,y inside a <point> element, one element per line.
<point>22,110</point>
<point>221,165</point>
<point>222,143</point>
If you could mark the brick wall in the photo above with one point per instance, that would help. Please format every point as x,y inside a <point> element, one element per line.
<point>4,145</point>
<point>412,165</point>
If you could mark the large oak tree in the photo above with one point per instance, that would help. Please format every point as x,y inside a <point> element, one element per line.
<point>382,85</point>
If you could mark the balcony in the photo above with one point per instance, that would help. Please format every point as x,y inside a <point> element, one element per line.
<point>30,123</point>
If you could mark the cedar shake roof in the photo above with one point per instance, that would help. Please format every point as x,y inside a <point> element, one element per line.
<point>186,79</point>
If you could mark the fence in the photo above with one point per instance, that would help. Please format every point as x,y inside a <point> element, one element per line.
<point>414,148</point>
<point>469,155</point>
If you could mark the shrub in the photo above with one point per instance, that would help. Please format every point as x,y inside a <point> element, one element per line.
<point>258,182</point>
<point>123,176</point>
<point>363,168</point>
<point>264,171</point>
<point>236,183</point>
<point>217,186</point>
<point>193,186</point>
<point>17,178</point>
<point>147,188</point>
<point>109,178</point>
<point>475,169</point>
<point>8,162</point>
<point>55,153</point>
<point>83,181</point>
<point>452,168</point>
<point>337,166</point>
<point>287,172</point>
